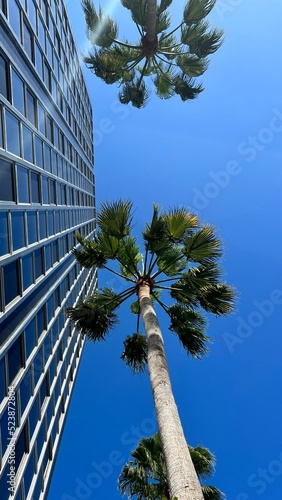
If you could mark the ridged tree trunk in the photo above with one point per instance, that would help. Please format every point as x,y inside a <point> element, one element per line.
<point>151,20</point>
<point>182,478</point>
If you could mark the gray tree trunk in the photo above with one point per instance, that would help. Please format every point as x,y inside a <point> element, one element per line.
<point>151,20</point>
<point>182,478</point>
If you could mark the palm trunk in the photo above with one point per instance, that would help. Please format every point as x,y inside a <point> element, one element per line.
<point>151,20</point>
<point>182,478</point>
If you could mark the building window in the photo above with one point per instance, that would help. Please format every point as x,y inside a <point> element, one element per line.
<point>15,359</point>
<point>38,262</point>
<point>23,185</point>
<point>25,390</point>
<point>27,270</point>
<point>52,192</point>
<point>18,92</point>
<point>29,473</point>
<point>47,158</point>
<point>18,233</point>
<point>3,78</point>
<point>35,192</point>
<point>30,107</point>
<point>32,13</point>
<point>33,417</point>
<point>6,181</point>
<point>45,191</point>
<point>30,338</point>
<point>4,242</point>
<point>38,60</point>
<point>38,366</point>
<point>3,388</point>
<point>42,225</point>
<point>38,152</point>
<point>11,281</point>
<point>15,17</point>
<point>27,144</point>
<point>13,135</point>
<point>32,227</point>
<point>28,42</point>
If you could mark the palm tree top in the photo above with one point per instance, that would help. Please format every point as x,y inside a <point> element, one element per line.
<point>180,256</point>
<point>172,58</point>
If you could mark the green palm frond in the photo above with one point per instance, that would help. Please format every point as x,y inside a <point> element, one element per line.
<point>189,327</point>
<point>115,218</point>
<point>108,245</point>
<point>91,254</point>
<point>138,10</point>
<point>201,276</point>
<point>192,65</point>
<point>95,316</point>
<point>129,257</point>
<point>154,232</point>
<point>178,223</point>
<point>192,32</point>
<point>163,21</point>
<point>203,246</point>
<point>164,4</point>
<point>101,30</point>
<point>212,493</point>
<point>164,85</point>
<point>171,261</point>
<point>203,460</point>
<point>207,44</point>
<point>111,64</point>
<point>186,87</point>
<point>135,352</point>
<point>196,10</point>
<point>135,92</point>
<point>217,299</point>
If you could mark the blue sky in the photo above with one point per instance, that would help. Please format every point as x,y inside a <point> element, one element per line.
<point>221,156</point>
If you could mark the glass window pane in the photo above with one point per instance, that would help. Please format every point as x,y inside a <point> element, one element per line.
<point>31,227</point>
<point>28,41</point>
<point>41,119</point>
<point>11,281</point>
<point>50,223</point>
<point>21,448</point>
<point>15,359</point>
<point>23,187</point>
<point>35,194</point>
<point>18,235</point>
<point>28,474</point>
<point>47,158</point>
<point>42,225</point>
<point>4,248</point>
<point>32,13</point>
<point>38,263</point>
<point>52,192</point>
<point>41,33</point>
<point>30,107</point>
<point>3,390</point>
<point>45,193</point>
<point>33,417</point>
<point>3,78</point>
<point>38,60</point>
<point>27,144</point>
<point>30,338</point>
<point>17,92</point>
<point>14,17</point>
<point>27,270</point>
<point>6,181</point>
<point>38,152</point>
<point>25,390</point>
<point>13,135</point>
<point>47,249</point>
<point>37,366</point>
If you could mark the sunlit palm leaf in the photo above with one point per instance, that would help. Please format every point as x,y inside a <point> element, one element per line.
<point>91,254</point>
<point>207,44</point>
<point>203,460</point>
<point>138,10</point>
<point>178,222</point>
<point>164,4</point>
<point>212,493</point>
<point>101,30</point>
<point>115,218</point>
<point>164,85</point>
<point>201,276</point>
<point>203,246</point>
<point>95,316</point>
<point>155,231</point>
<point>190,34</point>
<point>129,257</point>
<point>196,10</point>
<point>109,245</point>
<point>135,352</point>
<point>192,65</point>
<point>171,261</point>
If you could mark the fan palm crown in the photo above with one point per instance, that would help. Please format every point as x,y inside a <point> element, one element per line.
<point>180,256</point>
<point>173,58</point>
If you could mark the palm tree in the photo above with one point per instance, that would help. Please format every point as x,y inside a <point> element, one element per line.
<point>144,477</point>
<point>172,62</point>
<point>180,257</point>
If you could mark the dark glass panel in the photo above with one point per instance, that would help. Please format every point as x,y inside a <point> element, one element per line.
<point>38,152</point>
<point>33,417</point>
<point>25,390</point>
<point>18,235</point>
<point>42,225</point>
<point>30,107</point>
<point>41,119</point>
<point>29,473</point>
<point>3,389</point>
<point>15,359</point>
<point>35,193</point>
<point>32,13</point>
<point>13,135</point>
<point>32,227</point>
<point>52,192</point>
<point>28,42</point>
<point>4,248</point>
<point>11,281</point>
<point>30,337</point>
<point>38,366</point>
<point>23,186</point>
<point>50,223</point>
<point>38,263</point>
<point>27,144</point>
<point>27,270</point>
<point>3,77</point>
<point>14,17</point>
<point>47,158</point>
<point>45,192</point>
<point>38,60</point>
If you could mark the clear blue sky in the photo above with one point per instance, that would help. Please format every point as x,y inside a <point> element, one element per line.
<point>221,155</point>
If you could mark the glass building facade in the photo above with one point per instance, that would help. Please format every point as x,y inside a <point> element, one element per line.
<point>46,196</point>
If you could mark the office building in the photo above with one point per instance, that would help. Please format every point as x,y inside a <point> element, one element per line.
<point>46,196</point>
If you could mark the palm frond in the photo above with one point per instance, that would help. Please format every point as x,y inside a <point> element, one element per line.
<point>203,461</point>
<point>186,87</point>
<point>171,261</point>
<point>154,232</point>
<point>164,4</point>
<point>207,44</point>
<point>203,246</point>
<point>217,299</point>
<point>212,493</point>
<point>189,327</point>
<point>138,10</point>
<point>201,277</point>
<point>108,245</point>
<point>178,223</point>
<point>164,85</point>
<point>101,30</point>
<point>135,352</point>
<point>115,218</point>
<point>95,316</point>
<point>196,10</point>
<point>134,92</point>
<point>91,253</point>
<point>191,33</point>
<point>192,65</point>
<point>129,257</point>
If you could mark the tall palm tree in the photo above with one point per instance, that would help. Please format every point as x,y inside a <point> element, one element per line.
<point>180,257</point>
<point>173,58</point>
<point>144,477</point>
